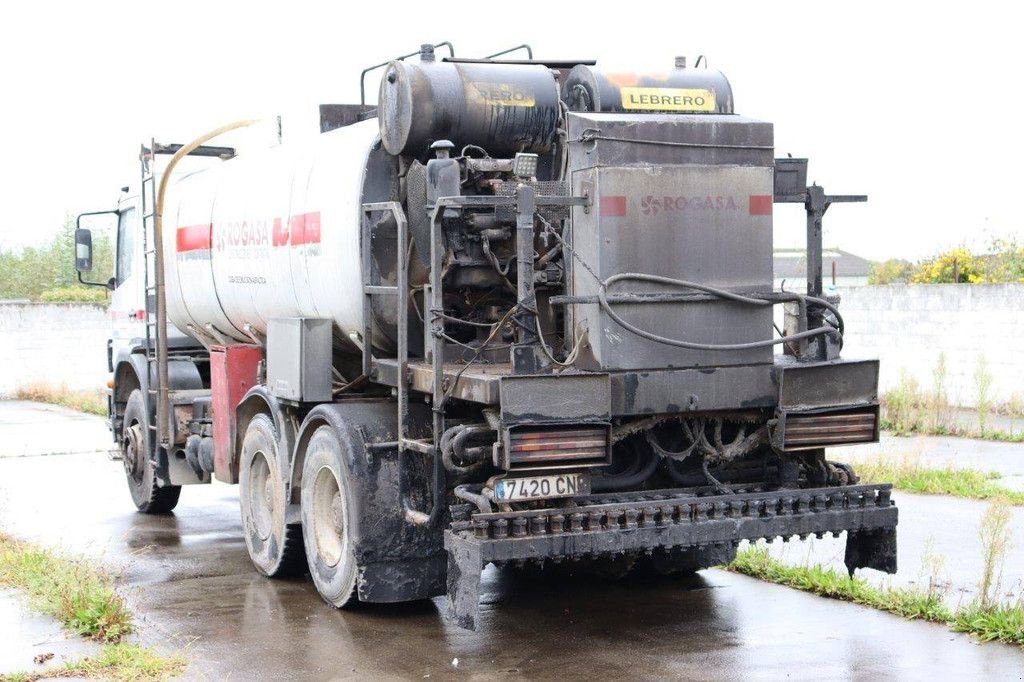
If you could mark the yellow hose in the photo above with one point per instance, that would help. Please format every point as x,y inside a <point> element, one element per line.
<point>162,413</point>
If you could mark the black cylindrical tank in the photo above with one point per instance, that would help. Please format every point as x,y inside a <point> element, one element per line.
<point>680,90</point>
<point>503,108</point>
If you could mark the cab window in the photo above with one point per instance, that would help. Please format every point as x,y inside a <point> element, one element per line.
<point>125,244</point>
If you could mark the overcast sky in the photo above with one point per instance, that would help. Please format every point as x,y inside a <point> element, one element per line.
<point>915,105</point>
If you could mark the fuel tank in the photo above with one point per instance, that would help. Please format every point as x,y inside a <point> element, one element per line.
<point>274,234</point>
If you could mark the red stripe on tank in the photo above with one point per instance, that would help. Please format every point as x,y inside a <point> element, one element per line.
<point>193,238</point>
<point>304,229</point>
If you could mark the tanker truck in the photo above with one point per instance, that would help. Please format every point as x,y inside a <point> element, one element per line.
<point>517,312</point>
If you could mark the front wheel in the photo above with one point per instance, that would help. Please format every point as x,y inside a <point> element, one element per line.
<point>149,497</point>
<point>326,528</point>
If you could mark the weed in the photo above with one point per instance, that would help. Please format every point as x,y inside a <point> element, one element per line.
<point>939,403</point>
<point>1014,409</point>
<point>93,402</point>
<point>80,596</point>
<point>902,405</point>
<point>995,537</point>
<point>982,392</point>
<point>932,565</point>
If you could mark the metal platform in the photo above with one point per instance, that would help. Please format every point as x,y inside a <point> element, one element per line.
<point>641,522</point>
<point>478,383</point>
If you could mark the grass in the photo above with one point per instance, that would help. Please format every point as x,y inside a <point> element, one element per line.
<point>911,475</point>
<point>1003,623</point>
<point>84,599</point>
<point>93,402</point>
<point>80,596</point>
<point>122,662</point>
<point>825,582</point>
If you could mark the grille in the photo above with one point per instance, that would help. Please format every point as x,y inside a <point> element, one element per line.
<point>557,446</point>
<point>550,188</point>
<point>810,431</point>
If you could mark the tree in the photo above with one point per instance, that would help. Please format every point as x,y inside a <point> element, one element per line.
<point>32,271</point>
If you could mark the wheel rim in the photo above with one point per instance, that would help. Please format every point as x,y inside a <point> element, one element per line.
<point>328,517</point>
<point>133,452</point>
<point>261,495</point>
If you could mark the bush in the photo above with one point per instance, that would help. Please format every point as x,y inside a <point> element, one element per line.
<point>957,266</point>
<point>892,271</point>
<point>74,295</point>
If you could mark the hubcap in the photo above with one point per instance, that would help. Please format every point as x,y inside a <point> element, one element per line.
<point>133,451</point>
<point>328,517</point>
<point>261,495</point>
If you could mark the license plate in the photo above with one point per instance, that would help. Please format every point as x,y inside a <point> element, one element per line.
<point>541,487</point>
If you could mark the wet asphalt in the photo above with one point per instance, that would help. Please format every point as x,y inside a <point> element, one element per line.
<point>189,579</point>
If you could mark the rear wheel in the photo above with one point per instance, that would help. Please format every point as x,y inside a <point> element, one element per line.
<point>147,495</point>
<point>325,519</point>
<point>275,547</point>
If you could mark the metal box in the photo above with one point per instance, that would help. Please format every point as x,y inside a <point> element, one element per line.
<point>790,177</point>
<point>299,358</point>
<point>701,211</point>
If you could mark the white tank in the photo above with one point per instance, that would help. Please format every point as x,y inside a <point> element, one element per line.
<point>270,234</point>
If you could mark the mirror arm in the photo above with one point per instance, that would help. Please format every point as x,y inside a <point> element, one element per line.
<point>105,285</point>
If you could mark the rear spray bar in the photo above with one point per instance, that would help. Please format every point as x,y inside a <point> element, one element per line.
<point>642,522</point>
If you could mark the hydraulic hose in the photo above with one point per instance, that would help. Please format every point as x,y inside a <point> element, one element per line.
<point>628,480</point>
<point>602,295</point>
<point>162,397</point>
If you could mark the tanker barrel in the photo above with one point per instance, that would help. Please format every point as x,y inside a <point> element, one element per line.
<point>681,90</point>
<point>503,108</point>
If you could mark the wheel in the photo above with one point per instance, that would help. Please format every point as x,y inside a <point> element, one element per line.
<point>149,498</point>
<point>274,546</point>
<point>325,519</point>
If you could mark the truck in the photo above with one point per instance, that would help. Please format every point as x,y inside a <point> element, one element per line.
<point>517,312</point>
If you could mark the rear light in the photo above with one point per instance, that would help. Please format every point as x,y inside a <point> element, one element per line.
<point>809,431</point>
<point>557,446</point>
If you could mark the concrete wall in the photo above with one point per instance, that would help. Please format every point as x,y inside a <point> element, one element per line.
<point>58,343</point>
<point>908,326</point>
<point>905,326</point>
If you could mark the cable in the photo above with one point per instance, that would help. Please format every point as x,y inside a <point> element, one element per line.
<point>602,296</point>
<point>479,352</point>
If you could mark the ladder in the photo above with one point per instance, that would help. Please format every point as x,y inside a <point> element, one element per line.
<point>151,276</point>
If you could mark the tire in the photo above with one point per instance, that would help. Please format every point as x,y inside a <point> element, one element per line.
<point>275,547</point>
<point>148,496</point>
<point>325,519</point>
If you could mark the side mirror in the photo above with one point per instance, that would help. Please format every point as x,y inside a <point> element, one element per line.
<point>83,242</point>
<point>83,250</point>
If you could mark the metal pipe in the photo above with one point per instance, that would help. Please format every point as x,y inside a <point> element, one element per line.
<point>162,397</point>
<point>464,492</point>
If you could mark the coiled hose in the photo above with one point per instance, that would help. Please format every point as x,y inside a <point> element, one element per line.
<point>602,296</point>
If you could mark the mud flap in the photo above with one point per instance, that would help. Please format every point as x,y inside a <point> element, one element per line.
<point>875,548</point>
<point>464,567</point>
